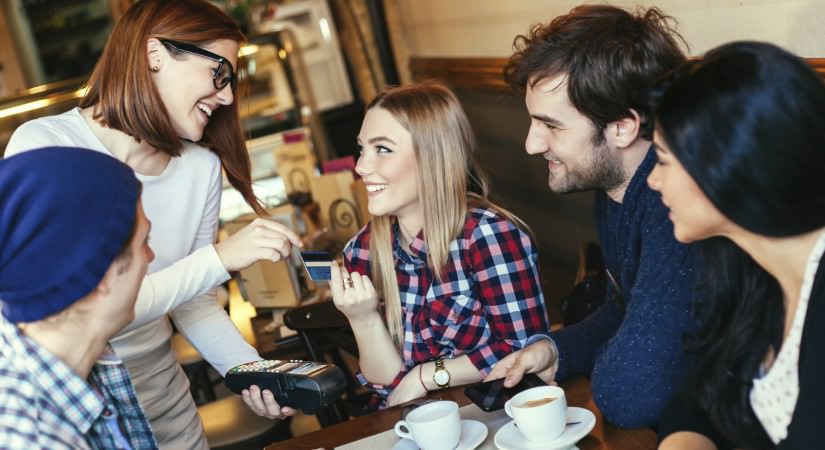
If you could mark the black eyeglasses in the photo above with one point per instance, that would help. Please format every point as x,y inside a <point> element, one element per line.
<point>222,76</point>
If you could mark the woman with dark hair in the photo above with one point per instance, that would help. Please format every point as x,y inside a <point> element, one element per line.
<point>740,138</point>
<point>455,276</point>
<point>161,99</point>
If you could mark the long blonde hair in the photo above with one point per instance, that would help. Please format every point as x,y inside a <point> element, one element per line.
<point>450,181</point>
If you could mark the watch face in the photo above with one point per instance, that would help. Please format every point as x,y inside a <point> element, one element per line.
<point>441,377</point>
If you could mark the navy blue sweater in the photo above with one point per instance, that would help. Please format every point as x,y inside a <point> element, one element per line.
<point>632,349</point>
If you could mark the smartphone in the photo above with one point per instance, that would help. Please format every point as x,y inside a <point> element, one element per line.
<point>492,395</point>
<point>317,265</point>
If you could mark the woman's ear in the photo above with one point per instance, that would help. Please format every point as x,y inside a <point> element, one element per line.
<point>624,132</point>
<point>153,52</point>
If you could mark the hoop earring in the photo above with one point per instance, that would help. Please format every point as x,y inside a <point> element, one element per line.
<point>155,68</point>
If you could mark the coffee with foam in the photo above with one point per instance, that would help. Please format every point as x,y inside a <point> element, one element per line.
<point>537,402</point>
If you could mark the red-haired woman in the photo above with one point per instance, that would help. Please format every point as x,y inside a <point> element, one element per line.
<point>161,99</point>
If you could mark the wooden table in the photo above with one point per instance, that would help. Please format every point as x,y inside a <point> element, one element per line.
<point>603,437</point>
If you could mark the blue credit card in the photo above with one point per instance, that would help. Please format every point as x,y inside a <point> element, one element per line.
<point>317,265</point>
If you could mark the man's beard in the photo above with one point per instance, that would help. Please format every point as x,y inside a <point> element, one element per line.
<point>598,172</point>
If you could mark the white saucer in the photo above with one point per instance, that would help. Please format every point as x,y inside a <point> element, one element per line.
<point>473,434</point>
<point>510,438</point>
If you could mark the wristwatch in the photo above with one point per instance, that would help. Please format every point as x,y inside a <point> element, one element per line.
<point>441,377</point>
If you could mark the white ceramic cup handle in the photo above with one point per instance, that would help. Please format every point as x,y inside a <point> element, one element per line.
<point>508,409</point>
<point>400,432</point>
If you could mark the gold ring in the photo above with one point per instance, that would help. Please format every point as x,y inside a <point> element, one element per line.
<point>348,283</point>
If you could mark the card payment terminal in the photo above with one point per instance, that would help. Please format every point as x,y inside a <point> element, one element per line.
<point>305,385</point>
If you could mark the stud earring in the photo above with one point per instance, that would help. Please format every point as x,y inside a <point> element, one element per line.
<point>155,68</point>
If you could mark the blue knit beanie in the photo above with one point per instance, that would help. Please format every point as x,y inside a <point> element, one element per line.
<point>65,215</point>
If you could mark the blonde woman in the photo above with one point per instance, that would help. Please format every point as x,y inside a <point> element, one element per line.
<point>442,283</point>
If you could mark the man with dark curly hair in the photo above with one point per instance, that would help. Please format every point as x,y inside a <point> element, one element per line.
<point>585,77</point>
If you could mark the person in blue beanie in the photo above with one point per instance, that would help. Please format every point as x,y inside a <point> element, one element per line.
<point>586,76</point>
<point>72,257</point>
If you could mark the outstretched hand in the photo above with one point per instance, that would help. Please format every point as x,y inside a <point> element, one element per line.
<point>539,358</point>
<point>262,239</point>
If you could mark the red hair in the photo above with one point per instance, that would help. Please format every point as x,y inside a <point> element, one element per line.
<point>122,90</point>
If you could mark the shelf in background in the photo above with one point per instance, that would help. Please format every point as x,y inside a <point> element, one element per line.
<point>88,27</point>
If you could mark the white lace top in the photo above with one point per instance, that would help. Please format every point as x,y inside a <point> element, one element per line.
<point>774,395</point>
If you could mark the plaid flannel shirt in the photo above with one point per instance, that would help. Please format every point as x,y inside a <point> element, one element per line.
<point>44,404</point>
<point>488,305</point>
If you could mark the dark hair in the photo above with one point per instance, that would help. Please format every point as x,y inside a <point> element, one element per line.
<point>611,58</point>
<point>122,90</point>
<point>741,315</point>
<point>748,124</point>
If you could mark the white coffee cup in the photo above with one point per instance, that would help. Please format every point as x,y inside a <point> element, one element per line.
<point>540,412</point>
<point>434,426</point>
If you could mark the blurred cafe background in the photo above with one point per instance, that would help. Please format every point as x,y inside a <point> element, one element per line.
<point>306,73</point>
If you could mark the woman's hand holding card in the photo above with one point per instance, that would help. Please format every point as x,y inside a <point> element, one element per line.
<point>353,294</point>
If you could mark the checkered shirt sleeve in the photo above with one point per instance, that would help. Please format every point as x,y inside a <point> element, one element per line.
<point>488,303</point>
<point>45,404</point>
<point>505,279</point>
<point>116,386</point>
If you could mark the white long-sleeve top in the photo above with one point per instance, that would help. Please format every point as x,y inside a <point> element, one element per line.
<point>182,204</point>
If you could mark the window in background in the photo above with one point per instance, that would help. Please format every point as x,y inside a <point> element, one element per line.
<point>58,39</point>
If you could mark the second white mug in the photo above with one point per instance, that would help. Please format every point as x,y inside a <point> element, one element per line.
<point>540,412</point>
<point>434,426</point>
